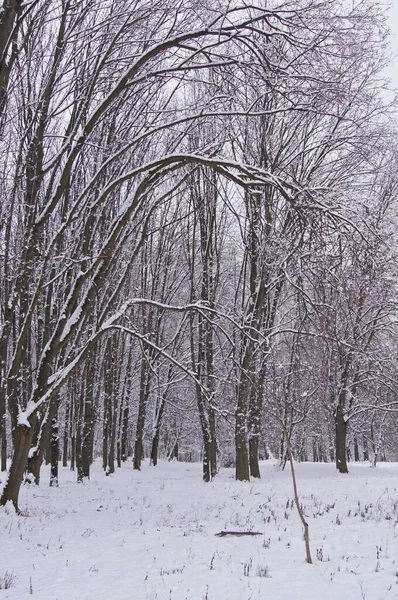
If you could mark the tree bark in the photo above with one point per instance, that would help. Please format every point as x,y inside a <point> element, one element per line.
<point>36,454</point>
<point>242,472</point>
<point>142,406</point>
<point>22,441</point>
<point>341,440</point>
<point>3,434</point>
<point>65,441</point>
<point>54,447</point>
<point>157,428</point>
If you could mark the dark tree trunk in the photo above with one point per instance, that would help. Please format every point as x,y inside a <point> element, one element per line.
<point>157,428</point>
<point>142,406</point>
<point>205,196</point>
<point>54,451</point>
<point>365,448</point>
<point>118,455</point>
<point>85,429</point>
<point>255,408</point>
<point>72,453</point>
<point>253,457</point>
<point>87,439</point>
<point>105,432</point>
<point>109,416</point>
<point>35,459</point>
<point>341,440</point>
<point>213,443</point>
<point>65,438</point>
<point>8,14</point>
<point>119,436</point>
<point>112,441</point>
<point>22,442</point>
<point>242,472</point>
<point>356,450</point>
<point>155,447</point>
<point>3,434</point>
<point>125,425</point>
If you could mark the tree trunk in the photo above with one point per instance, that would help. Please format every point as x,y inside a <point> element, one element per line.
<point>213,443</point>
<point>341,440</point>
<point>125,425</point>
<point>256,403</point>
<point>356,450</point>
<point>253,457</point>
<point>72,453</point>
<point>22,442</point>
<point>85,430</point>
<point>3,434</point>
<point>54,443</point>
<point>105,432</point>
<point>156,435</point>
<point>108,429</point>
<point>242,472</point>
<point>143,401</point>
<point>36,454</point>
<point>119,434</point>
<point>112,441</point>
<point>65,438</point>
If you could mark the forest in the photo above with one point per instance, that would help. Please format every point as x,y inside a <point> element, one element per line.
<point>198,235</point>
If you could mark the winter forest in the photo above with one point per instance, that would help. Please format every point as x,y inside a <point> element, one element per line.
<point>198,235</point>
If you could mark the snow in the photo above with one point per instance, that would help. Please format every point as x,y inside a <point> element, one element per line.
<point>23,415</point>
<point>150,535</point>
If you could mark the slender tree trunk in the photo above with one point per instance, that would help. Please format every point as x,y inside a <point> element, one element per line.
<point>142,406</point>
<point>119,434</point>
<point>112,441</point>
<point>65,437</point>
<point>365,448</point>
<point>3,434</point>
<point>356,450</point>
<point>242,472</point>
<point>105,431</point>
<point>157,428</point>
<point>73,453</point>
<point>79,433</point>
<point>54,442</point>
<point>213,443</point>
<point>341,440</point>
<point>108,429</point>
<point>256,403</point>
<point>125,425</point>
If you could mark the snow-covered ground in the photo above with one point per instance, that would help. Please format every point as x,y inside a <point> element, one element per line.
<point>151,536</point>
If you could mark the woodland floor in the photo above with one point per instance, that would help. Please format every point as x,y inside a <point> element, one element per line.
<point>151,536</point>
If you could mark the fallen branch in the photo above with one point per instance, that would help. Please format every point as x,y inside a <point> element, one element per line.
<point>238,533</point>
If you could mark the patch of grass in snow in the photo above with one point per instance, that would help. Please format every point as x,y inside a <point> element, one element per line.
<point>7,580</point>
